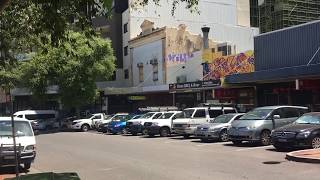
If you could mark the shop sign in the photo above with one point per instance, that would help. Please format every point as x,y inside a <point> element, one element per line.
<point>194,85</point>
<point>136,98</point>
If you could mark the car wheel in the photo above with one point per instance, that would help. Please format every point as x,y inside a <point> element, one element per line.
<point>265,138</point>
<point>145,132</point>
<point>164,132</point>
<point>27,166</point>
<point>223,136</point>
<point>237,142</point>
<point>85,128</point>
<point>186,136</point>
<point>124,131</point>
<point>315,142</point>
<point>134,133</point>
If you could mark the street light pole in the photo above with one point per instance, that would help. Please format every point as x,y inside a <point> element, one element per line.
<point>14,137</point>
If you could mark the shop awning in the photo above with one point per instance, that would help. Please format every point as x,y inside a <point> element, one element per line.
<point>276,75</point>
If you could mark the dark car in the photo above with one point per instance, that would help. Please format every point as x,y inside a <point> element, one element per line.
<point>303,133</point>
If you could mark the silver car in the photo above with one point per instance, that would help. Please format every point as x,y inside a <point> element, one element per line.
<point>256,125</point>
<point>217,129</point>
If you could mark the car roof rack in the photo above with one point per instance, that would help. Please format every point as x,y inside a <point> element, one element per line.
<point>222,105</point>
<point>158,108</point>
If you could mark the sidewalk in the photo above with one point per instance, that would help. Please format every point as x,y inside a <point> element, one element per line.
<point>2,177</point>
<point>308,156</point>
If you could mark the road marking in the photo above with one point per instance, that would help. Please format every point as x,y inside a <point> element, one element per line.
<point>200,145</point>
<point>106,169</point>
<point>253,148</point>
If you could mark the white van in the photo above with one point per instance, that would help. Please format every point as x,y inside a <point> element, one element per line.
<point>25,142</point>
<point>190,118</point>
<point>40,119</point>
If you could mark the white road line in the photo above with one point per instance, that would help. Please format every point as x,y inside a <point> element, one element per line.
<point>106,169</point>
<point>253,148</point>
<point>200,145</point>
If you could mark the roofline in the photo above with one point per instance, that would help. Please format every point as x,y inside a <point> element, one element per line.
<point>288,28</point>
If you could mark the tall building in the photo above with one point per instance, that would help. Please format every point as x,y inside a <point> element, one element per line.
<point>254,13</point>
<point>278,14</point>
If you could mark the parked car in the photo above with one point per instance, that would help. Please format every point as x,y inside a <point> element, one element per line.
<point>256,125</point>
<point>118,126</point>
<point>304,133</point>
<point>40,119</point>
<point>25,142</point>
<point>135,126</point>
<point>217,130</point>
<point>161,125</point>
<point>45,124</point>
<point>87,123</point>
<point>186,124</point>
<point>102,126</point>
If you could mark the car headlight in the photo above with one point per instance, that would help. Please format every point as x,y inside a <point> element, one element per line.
<point>30,148</point>
<point>303,135</point>
<point>251,127</point>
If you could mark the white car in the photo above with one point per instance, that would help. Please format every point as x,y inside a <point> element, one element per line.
<point>135,126</point>
<point>25,142</point>
<point>161,125</point>
<point>186,124</point>
<point>87,123</point>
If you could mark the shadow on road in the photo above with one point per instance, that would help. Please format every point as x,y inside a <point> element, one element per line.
<point>244,144</point>
<point>11,170</point>
<point>182,138</point>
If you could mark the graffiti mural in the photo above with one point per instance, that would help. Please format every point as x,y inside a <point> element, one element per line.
<point>215,67</point>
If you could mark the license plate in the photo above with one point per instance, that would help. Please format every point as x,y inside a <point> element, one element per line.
<point>8,157</point>
<point>282,140</point>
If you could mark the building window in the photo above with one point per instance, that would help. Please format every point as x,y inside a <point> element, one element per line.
<point>140,67</point>
<point>126,74</point>
<point>125,28</point>
<point>154,63</point>
<point>125,49</point>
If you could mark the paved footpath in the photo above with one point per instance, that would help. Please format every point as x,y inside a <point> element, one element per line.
<point>308,156</point>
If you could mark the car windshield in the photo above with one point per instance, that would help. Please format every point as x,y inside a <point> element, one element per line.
<point>256,114</point>
<point>187,113</point>
<point>166,116</point>
<point>223,118</point>
<point>148,115</point>
<point>136,117</point>
<point>22,128</point>
<point>119,117</point>
<point>308,119</point>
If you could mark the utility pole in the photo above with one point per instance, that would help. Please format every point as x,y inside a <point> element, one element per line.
<point>14,137</point>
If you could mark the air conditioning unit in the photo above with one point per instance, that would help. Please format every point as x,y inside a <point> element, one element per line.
<point>181,79</point>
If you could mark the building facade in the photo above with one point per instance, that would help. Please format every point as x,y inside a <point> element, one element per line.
<point>278,14</point>
<point>151,63</point>
<point>287,67</point>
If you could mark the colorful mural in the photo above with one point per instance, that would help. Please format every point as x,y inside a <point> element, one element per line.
<point>216,66</point>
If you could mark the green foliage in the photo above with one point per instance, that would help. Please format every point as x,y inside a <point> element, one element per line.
<point>74,66</point>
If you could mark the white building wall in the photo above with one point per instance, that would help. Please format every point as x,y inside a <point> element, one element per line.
<point>222,16</point>
<point>143,54</point>
<point>191,69</point>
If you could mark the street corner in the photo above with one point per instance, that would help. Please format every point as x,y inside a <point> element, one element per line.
<point>4,176</point>
<point>307,156</point>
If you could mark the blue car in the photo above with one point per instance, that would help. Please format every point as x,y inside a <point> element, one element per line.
<point>116,127</point>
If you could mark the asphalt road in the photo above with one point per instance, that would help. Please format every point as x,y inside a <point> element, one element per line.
<point>100,157</point>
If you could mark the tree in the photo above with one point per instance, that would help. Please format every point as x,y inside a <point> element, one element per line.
<point>54,16</point>
<point>73,66</point>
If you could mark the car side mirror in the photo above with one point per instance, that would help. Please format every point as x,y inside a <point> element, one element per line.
<point>276,116</point>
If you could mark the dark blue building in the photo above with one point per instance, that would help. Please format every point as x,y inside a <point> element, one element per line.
<point>287,67</point>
